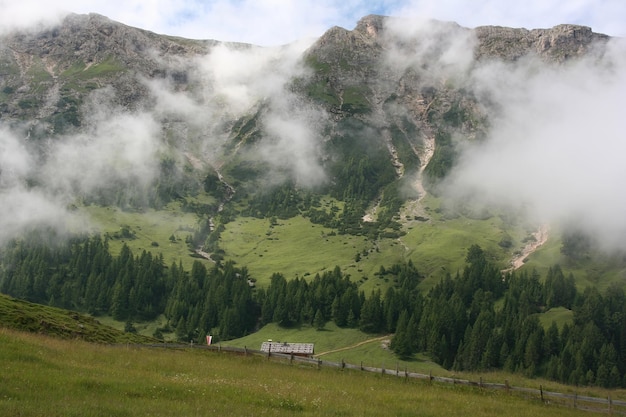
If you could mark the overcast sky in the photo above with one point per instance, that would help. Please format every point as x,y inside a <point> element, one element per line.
<point>275,22</point>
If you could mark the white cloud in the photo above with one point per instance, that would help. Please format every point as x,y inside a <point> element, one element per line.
<point>117,145</point>
<point>557,147</point>
<point>444,48</point>
<point>293,140</point>
<point>239,77</point>
<point>21,208</point>
<point>15,160</point>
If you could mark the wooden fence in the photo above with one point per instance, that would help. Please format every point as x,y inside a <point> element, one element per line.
<point>581,402</point>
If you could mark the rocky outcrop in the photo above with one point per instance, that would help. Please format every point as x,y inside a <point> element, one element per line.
<point>556,44</point>
<point>92,39</point>
<point>46,75</point>
<point>57,66</point>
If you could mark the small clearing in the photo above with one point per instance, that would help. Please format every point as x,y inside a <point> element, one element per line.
<point>376,339</point>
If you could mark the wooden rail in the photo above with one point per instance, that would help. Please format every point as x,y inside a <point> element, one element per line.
<point>581,402</point>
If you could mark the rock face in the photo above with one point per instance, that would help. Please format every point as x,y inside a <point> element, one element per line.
<point>87,52</point>
<point>46,75</point>
<point>93,38</point>
<point>557,44</point>
<point>401,80</point>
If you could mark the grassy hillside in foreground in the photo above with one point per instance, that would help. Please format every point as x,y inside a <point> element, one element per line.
<point>44,376</point>
<point>22,315</point>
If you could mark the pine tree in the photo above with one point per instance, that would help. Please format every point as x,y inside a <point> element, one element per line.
<point>181,329</point>
<point>371,314</point>
<point>552,344</point>
<point>340,312</point>
<point>401,342</point>
<point>319,321</point>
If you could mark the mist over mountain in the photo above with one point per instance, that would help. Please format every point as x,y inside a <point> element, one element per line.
<point>489,118</point>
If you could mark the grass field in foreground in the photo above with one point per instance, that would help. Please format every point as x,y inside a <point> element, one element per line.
<point>42,376</point>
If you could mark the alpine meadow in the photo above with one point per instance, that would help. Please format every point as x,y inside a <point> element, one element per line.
<point>410,193</point>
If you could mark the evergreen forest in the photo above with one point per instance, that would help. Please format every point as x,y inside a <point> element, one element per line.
<point>479,319</point>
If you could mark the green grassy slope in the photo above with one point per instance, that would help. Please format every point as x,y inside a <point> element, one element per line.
<point>44,376</point>
<point>334,344</point>
<point>22,315</point>
<point>559,315</point>
<point>148,228</point>
<point>599,270</point>
<point>297,247</point>
<point>294,247</point>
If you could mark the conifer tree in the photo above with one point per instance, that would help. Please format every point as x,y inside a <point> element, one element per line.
<point>319,321</point>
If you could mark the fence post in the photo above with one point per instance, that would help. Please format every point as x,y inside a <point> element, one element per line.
<point>507,387</point>
<point>575,398</point>
<point>291,359</point>
<point>343,364</point>
<point>245,351</point>
<point>541,392</point>
<point>397,369</point>
<point>610,405</point>
<point>383,369</point>
<point>319,364</point>
<point>406,373</point>
<point>430,376</point>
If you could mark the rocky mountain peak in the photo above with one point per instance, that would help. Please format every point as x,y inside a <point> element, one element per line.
<point>371,25</point>
<point>93,38</point>
<point>556,44</point>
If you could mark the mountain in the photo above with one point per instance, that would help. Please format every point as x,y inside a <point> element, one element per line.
<point>375,118</point>
<point>392,178</point>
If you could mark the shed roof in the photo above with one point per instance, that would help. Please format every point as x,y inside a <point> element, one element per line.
<point>285,347</point>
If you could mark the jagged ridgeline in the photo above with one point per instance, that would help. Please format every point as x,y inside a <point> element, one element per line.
<point>377,112</point>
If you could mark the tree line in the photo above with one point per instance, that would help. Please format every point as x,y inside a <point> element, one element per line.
<point>80,274</point>
<point>477,320</point>
<point>482,320</point>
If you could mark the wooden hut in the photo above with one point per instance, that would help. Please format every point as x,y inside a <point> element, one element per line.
<point>297,349</point>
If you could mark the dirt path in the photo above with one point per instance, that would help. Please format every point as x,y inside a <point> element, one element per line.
<point>540,237</point>
<point>354,346</point>
<point>425,157</point>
